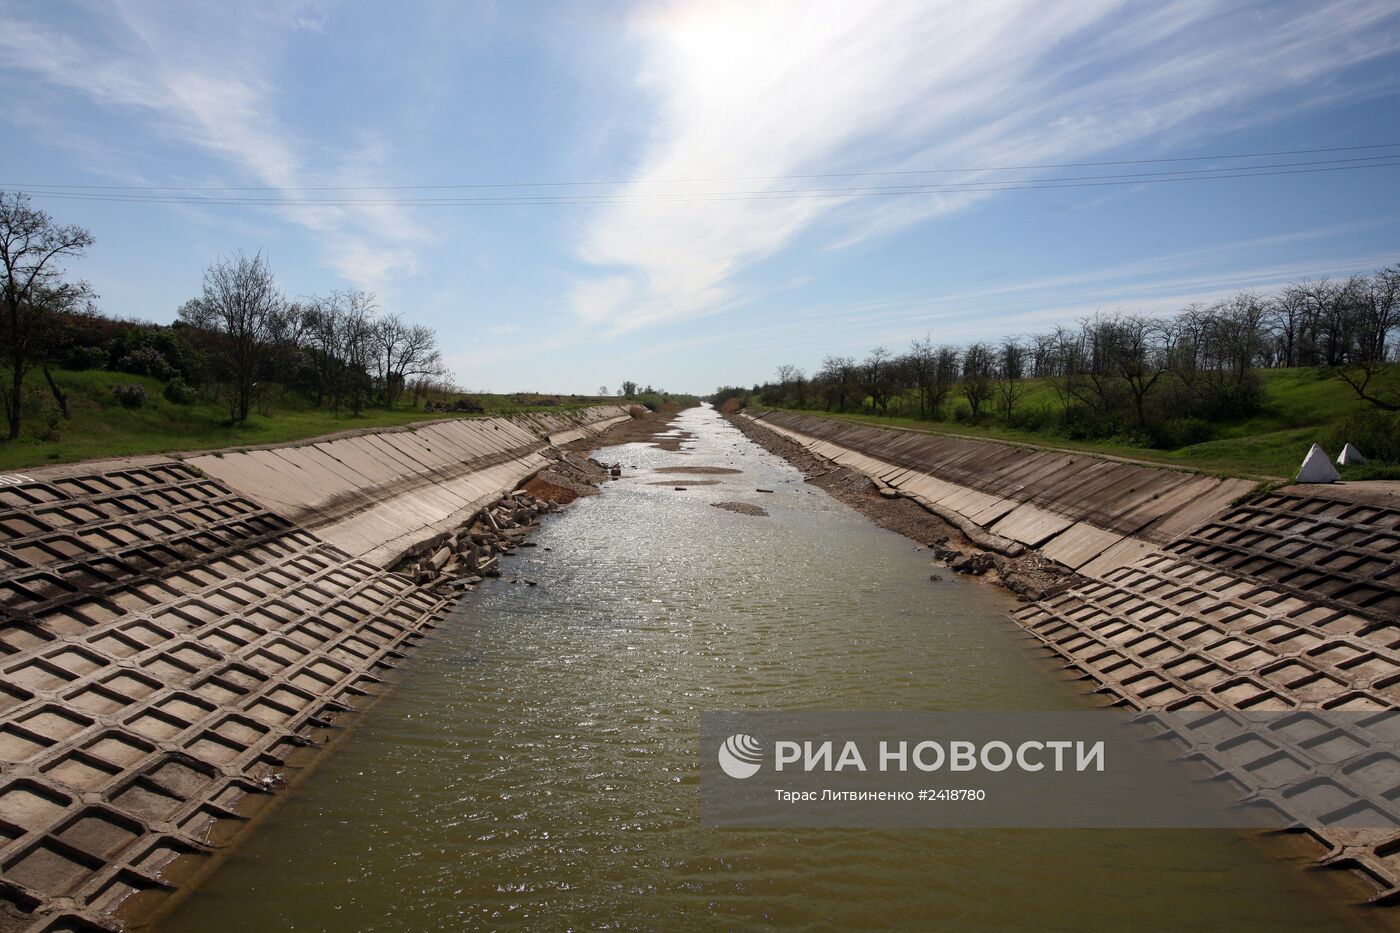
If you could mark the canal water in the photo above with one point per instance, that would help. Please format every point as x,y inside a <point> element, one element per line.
<point>536,767</point>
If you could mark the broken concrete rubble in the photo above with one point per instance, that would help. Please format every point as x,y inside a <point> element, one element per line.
<point>460,560</point>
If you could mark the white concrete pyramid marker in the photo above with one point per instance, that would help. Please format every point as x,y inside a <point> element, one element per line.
<point>1317,468</point>
<point>1350,455</point>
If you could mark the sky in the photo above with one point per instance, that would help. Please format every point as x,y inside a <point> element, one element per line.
<point>688,194</point>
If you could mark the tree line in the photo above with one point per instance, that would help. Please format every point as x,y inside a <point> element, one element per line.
<point>338,348</point>
<point>1160,378</point>
<point>241,341</point>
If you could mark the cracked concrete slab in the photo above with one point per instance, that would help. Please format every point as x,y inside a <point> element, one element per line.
<point>1080,510</point>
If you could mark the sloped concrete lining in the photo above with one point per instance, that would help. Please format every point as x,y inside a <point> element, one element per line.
<point>1287,602</point>
<point>1085,512</point>
<point>170,647</point>
<point>1197,598</point>
<point>377,494</point>
<point>175,640</point>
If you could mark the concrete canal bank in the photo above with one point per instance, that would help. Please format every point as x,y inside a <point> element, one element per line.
<point>1189,593</point>
<point>535,766</point>
<point>180,635</point>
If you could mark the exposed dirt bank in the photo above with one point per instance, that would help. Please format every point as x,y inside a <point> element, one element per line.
<point>570,476</point>
<point>1030,575</point>
<point>743,508</point>
<point>644,427</point>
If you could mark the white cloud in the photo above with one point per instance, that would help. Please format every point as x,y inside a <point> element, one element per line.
<point>202,78</point>
<point>785,87</point>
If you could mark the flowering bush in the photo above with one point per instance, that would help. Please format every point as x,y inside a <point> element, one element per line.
<point>131,394</point>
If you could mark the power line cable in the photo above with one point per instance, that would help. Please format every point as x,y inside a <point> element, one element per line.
<point>566,184</point>
<point>905,191</point>
<point>858,189</point>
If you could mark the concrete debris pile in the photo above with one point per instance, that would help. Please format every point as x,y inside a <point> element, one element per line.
<point>1031,577</point>
<point>459,561</point>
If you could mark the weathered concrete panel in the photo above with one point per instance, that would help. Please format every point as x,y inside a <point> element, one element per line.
<point>168,646</point>
<point>1286,602</point>
<point>172,635</point>
<point>376,494</point>
<point>1030,525</point>
<point>1080,510</point>
<point>1079,544</point>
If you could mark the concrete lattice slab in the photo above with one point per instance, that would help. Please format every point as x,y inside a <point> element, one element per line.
<point>169,644</point>
<point>1287,602</point>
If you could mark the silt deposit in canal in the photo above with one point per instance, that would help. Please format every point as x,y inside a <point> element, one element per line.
<point>537,765</point>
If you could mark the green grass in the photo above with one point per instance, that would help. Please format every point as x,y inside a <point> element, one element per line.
<point>1301,406</point>
<point>101,428</point>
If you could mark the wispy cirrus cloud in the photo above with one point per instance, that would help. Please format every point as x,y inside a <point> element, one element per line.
<point>203,80</point>
<point>787,87</point>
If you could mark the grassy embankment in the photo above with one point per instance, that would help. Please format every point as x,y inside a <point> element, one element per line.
<point>100,427</point>
<point>1301,407</point>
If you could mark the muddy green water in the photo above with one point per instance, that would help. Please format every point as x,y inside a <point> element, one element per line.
<point>536,766</point>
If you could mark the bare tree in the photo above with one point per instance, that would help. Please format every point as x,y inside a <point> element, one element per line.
<point>338,334</point>
<point>1378,306</point>
<point>876,373</point>
<point>402,350</point>
<point>787,375</point>
<point>1137,353</point>
<point>33,290</point>
<point>1010,375</point>
<point>792,384</point>
<point>357,348</point>
<point>1043,357</point>
<point>838,374</point>
<point>246,316</point>
<point>921,363</point>
<point>978,366</point>
<point>1378,311</point>
<point>1088,366</point>
<point>945,376</point>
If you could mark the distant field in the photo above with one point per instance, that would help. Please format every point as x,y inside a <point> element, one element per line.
<point>1301,407</point>
<point>100,427</point>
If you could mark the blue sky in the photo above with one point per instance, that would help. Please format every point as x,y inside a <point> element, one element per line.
<point>657,279</point>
